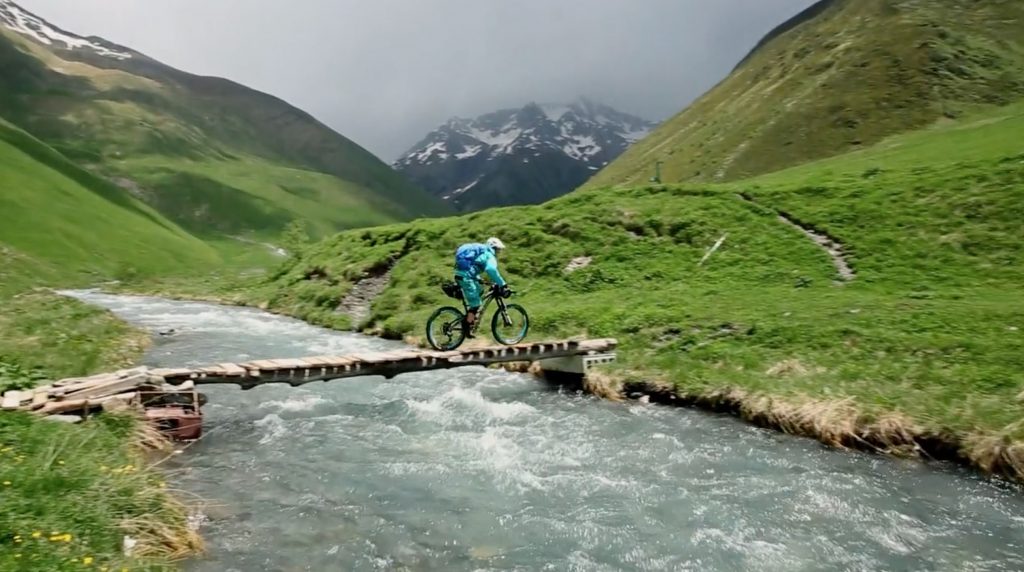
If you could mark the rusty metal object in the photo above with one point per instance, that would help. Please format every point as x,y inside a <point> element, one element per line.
<point>177,414</point>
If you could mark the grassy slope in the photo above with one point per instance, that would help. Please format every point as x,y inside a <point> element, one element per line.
<point>61,223</point>
<point>213,156</point>
<point>240,195</point>
<point>843,75</point>
<point>932,330</point>
<point>67,494</point>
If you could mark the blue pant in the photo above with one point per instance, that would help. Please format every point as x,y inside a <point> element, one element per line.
<point>471,290</point>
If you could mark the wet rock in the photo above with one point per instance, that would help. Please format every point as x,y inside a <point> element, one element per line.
<point>645,399</point>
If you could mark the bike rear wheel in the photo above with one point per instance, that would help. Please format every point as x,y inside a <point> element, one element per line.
<point>510,327</point>
<point>444,329</point>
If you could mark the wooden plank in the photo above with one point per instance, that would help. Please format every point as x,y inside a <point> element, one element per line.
<point>13,398</point>
<point>213,371</point>
<point>171,372</point>
<point>370,357</point>
<point>63,406</point>
<point>233,370</point>
<point>40,398</point>
<point>109,388</point>
<point>287,363</point>
<point>402,355</point>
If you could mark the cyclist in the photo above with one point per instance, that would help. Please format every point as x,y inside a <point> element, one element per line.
<point>471,260</point>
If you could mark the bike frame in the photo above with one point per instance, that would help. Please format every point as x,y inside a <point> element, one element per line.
<point>486,301</point>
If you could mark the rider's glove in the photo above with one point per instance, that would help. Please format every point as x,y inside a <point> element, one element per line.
<point>505,291</point>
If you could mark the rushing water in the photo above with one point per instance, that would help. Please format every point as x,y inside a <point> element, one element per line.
<point>478,469</point>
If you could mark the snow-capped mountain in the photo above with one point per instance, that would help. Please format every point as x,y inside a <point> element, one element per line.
<point>14,17</point>
<point>520,156</point>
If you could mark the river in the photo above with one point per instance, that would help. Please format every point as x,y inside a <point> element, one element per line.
<point>479,469</point>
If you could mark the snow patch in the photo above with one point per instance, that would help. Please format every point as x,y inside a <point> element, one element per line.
<point>635,134</point>
<point>438,149</point>
<point>460,190</point>
<point>470,151</point>
<point>581,131</point>
<point>581,147</point>
<point>502,139</point>
<point>15,18</point>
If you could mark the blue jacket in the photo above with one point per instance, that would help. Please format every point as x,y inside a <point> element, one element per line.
<point>473,259</point>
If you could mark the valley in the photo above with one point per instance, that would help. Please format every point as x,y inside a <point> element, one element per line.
<point>827,244</point>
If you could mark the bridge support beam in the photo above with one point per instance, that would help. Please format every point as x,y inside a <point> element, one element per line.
<point>578,364</point>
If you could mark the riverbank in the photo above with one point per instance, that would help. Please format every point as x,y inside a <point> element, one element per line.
<point>71,494</point>
<point>471,469</point>
<point>788,406</point>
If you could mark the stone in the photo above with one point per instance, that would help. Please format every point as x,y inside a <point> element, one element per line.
<point>65,418</point>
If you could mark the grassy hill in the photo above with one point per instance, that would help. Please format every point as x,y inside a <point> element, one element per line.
<point>926,341</point>
<point>62,224</point>
<point>212,155</point>
<point>838,77</point>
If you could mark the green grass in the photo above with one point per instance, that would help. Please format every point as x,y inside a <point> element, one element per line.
<point>62,223</point>
<point>215,157</point>
<point>840,78</point>
<point>57,479</point>
<point>931,329</point>
<point>33,337</point>
<point>248,195</point>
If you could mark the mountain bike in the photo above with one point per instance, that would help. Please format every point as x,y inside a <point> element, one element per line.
<point>446,327</point>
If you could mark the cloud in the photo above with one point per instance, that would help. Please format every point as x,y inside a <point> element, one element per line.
<point>385,72</point>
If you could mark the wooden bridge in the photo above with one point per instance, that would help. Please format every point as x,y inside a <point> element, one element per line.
<point>131,387</point>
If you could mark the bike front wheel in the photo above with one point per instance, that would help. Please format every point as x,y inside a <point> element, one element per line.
<point>511,325</point>
<point>444,329</point>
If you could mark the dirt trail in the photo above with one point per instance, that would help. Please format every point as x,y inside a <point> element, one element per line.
<point>356,303</point>
<point>833,247</point>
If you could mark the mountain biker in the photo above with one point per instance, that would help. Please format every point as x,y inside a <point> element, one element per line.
<point>471,260</point>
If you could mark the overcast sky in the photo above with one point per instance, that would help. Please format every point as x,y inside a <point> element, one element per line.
<point>386,72</point>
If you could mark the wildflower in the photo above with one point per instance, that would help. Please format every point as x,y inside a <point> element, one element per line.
<point>7,483</point>
<point>60,462</point>
<point>36,534</point>
<point>87,560</point>
<point>18,555</point>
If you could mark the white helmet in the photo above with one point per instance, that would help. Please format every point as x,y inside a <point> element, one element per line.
<point>495,243</point>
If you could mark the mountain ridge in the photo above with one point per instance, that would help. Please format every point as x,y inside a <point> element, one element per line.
<point>519,155</point>
<point>839,76</point>
<point>130,117</point>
